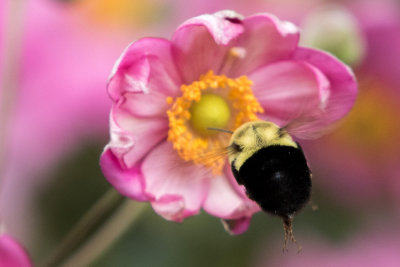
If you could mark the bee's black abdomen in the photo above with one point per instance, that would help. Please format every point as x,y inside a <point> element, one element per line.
<point>277,178</point>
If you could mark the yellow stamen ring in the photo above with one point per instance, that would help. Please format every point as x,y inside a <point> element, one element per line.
<point>195,145</point>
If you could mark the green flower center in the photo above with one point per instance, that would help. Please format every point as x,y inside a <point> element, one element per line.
<point>211,111</point>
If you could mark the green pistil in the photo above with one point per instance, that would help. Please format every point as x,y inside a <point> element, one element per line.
<point>211,111</point>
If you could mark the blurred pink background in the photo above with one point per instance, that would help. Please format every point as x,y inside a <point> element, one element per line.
<point>55,60</point>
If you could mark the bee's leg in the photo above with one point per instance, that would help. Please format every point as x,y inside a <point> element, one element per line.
<point>284,248</point>
<point>314,206</point>
<point>287,227</point>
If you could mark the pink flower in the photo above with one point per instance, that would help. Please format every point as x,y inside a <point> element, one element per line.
<point>366,145</point>
<point>59,101</point>
<point>247,68</point>
<point>53,102</point>
<point>11,253</point>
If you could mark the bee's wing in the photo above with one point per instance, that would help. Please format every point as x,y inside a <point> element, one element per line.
<point>311,121</point>
<point>308,128</point>
<point>217,155</point>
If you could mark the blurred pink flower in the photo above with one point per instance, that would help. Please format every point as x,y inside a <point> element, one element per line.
<point>11,253</point>
<point>368,249</point>
<point>362,166</point>
<point>59,100</point>
<point>156,82</point>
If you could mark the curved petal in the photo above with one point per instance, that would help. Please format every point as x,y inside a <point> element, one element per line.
<point>179,187</point>
<point>236,226</point>
<point>343,87</point>
<point>142,105</point>
<point>201,43</point>
<point>227,200</point>
<point>132,138</point>
<point>288,90</point>
<point>172,207</point>
<point>12,254</point>
<point>264,40</point>
<point>146,66</point>
<point>129,182</point>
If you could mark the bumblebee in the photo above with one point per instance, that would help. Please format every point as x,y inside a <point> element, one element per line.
<point>273,169</point>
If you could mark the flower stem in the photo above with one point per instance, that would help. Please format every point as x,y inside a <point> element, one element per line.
<point>107,235</point>
<point>10,61</point>
<point>110,204</point>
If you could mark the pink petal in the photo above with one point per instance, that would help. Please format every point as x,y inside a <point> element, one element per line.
<point>132,138</point>
<point>172,207</point>
<point>236,226</point>
<point>201,43</point>
<point>146,66</point>
<point>226,199</point>
<point>179,187</point>
<point>265,39</point>
<point>129,182</point>
<point>142,105</point>
<point>12,254</point>
<point>343,87</point>
<point>289,89</point>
